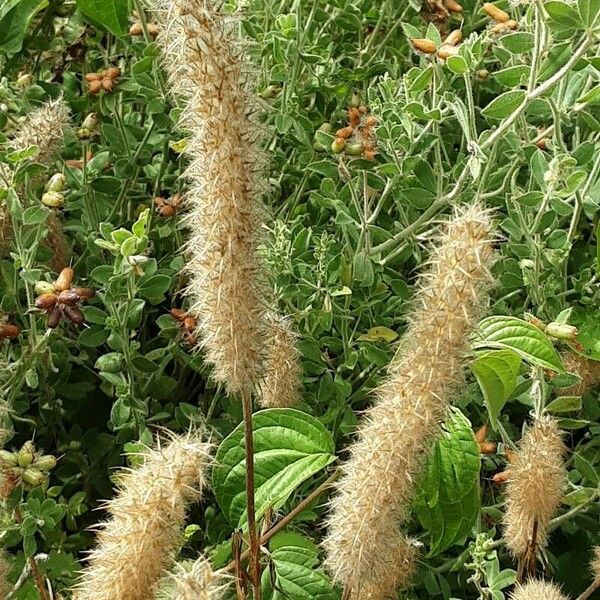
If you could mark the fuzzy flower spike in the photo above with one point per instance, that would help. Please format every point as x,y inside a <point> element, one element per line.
<point>136,545</point>
<point>537,590</point>
<point>196,582</point>
<point>205,65</point>
<point>536,480</point>
<point>365,551</point>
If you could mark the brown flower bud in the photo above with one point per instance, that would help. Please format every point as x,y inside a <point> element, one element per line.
<point>107,84</point>
<point>345,132</point>
<point>136,29</point>
<point>112,72</point>
<point>481,433</point>
<point>84,293</point>
<point>424,45</point>
<point>453,6</point>
<point>496,13</point>
<point>454,38</point>
<point>74,315</point>
<point>446,50</point>
<point>487,448</point>
<point>54,316</point>
<point>46,301</point>
<point>64,279</point>
<point>95,87</point>
<point>178,314</point>
<point>68,297</point>
<point>92,77</point>
<point>9,330</point>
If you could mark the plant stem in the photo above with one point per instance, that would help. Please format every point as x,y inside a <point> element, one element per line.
<point>590,590</point>
<point>254,542</point>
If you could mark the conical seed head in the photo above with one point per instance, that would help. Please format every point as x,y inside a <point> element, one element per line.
<point>376,489</point>
<point>197,582</point>
<point>537,590</point>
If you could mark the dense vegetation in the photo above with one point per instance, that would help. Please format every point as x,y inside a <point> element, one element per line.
<point>364,129</point>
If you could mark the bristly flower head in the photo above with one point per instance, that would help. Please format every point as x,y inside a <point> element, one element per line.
<point>595,564</point>
<point>205,65</point>
<point>136,545</point>
<point>196,582</point>
<point>5,585</point>
<point>587,370</point>
<point>537,590</point>
<point>280,386</point>
<point>365,552</point>
<point>536,479</point>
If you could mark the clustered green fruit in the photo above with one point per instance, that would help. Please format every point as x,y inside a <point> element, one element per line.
<point>27,465</point>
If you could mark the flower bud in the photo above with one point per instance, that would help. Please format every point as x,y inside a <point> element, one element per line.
<point>24,80</point>
<point>338,145</point>
<point>64,280</point>
<point>454,38</point>
<point>68,297</point>
<point>354,149</point>
<point>45,463</point>
<point>26,454</point>
<point>90,122</point>
<point>496,13</point>
<point>56,183</point>
<point>7,459</point>
<point>424,45</point>
<point>447,50</point>
<point>53,199</point>
<point>561,331</point>
<point>83,133</point>
<point>46,301</point>
<point>33,477</point>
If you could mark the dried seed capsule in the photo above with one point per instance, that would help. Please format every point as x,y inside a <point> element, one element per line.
<point>54,316</point>
<point>345,132</point>
<point>152,29</point>
<point>353,116</point>
<point>107,84</point>
<point>53,199</point>
<point>501,477</point>
<point>370,121</point>
<point>69,297</point>
<point>338,145</point>
<point>453,6</point>
<point>167,211</point>
<point>487,448</point>
<point>136,29</point>
<point>64,280</point>
<point>424,45</point>
<point>26,454</point>
<point>354,149</point>
<point>159,201</point>
<point>189,323</point>
<point>500,28</point>
<point>454,38</point>
<point>481,434</point>
<point>92,77</point>
<point>46,301</point>
<point>74,315</point>
<point>446,51</point>
<point>33,477</point>
<point>84,293</point>
<point>178,314</point>
<point>113,72</point>
<point>9,330</point>
<point>95,87</point>
<point>45,463</point>
<point>496,13</point>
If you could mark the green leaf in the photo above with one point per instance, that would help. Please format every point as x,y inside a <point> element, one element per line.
<point>589,11</point>
<point>294,559</point>
<point>504,105</point>
<point>378,334</point>
<point>518,42</point>
<point>457,64</point>
<point>512,76</point>
<point>496,373</point>
<point>111,15</point>
<point>522,337</point>
<point>588,324</point>
<point>448,502</point>
<point>587,470</point>
<point>562,14</point>
<point>289,447</point>
<point>14,24</point>
<point>564,404</point>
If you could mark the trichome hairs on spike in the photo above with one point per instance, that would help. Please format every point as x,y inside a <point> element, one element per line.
<point>595,564</point>
<point>5,585</point>
<point>280,385</point>
<point>535,589</point>
<point>205,65</point>
<point>365,550</point>
<point>197,581</point>
<point>536,478</point>
<point>587,370</point>
<point>136,545</point>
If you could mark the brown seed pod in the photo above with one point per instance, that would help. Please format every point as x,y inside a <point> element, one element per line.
<point>159,201</point>
<point>353,116</point>
<point>481,433</point>
<point>69,297</point>
<point>500,28</point>
<point>178,314</point>
<point>64,279</point>
<point>453,6</point>
<point>500,477</point>
<point>167,211</point>
<point>74,315</point>
<point>496,13</point>
<point>92,77</point>
<point>370,121</point>
<point>369,154</point>
<point>107,84</point>
<point>152,29</point>
<point>9,330</point>
<point>542,143</point>
<point>454,38</point>
<point>446,51</point>
<point>345,132</point>
<point>424,45</point>
<point>46,301</point>
<point>189,323</point>
<point>487,448</point>
<point>136,29</point>
<point>95,87</point>
<point>112,73</point>
<point>54,316</point>
<point>84,293</point>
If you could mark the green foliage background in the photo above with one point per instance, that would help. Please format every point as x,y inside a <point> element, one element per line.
<point>345,240</point>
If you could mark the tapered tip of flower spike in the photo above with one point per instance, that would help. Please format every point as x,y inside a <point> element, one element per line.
<point>595,563</point>
<point>195,581</point>
<point>537,590</point>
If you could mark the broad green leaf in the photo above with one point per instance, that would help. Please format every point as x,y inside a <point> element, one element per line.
<point>289,447</point>
<point>14,24</point>
<point>496,373</point>
<point>518,42</point>
<point>512,76</point>
<point>522,337</point>
<point>504,104</point>
<point>457,64</point>
<point>564,404</point>
<point>108,14</point>
<point>588,324</point>
<point>296,576</point>
<point>562,13</point>
<point>587,470</point>
<point>589,11</point>
<point>378,334</point>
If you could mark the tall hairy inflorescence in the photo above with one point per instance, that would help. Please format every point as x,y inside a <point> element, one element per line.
<point>537,590</point>
<point>535,485</point>
<point>587,370</point>
<point>5,585</point>
<point>196,582</point>
<point>595,564</point>
<point>205,65</point>
<point>280,385</point>
<point>365,550</point>
<point>136,545</point>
